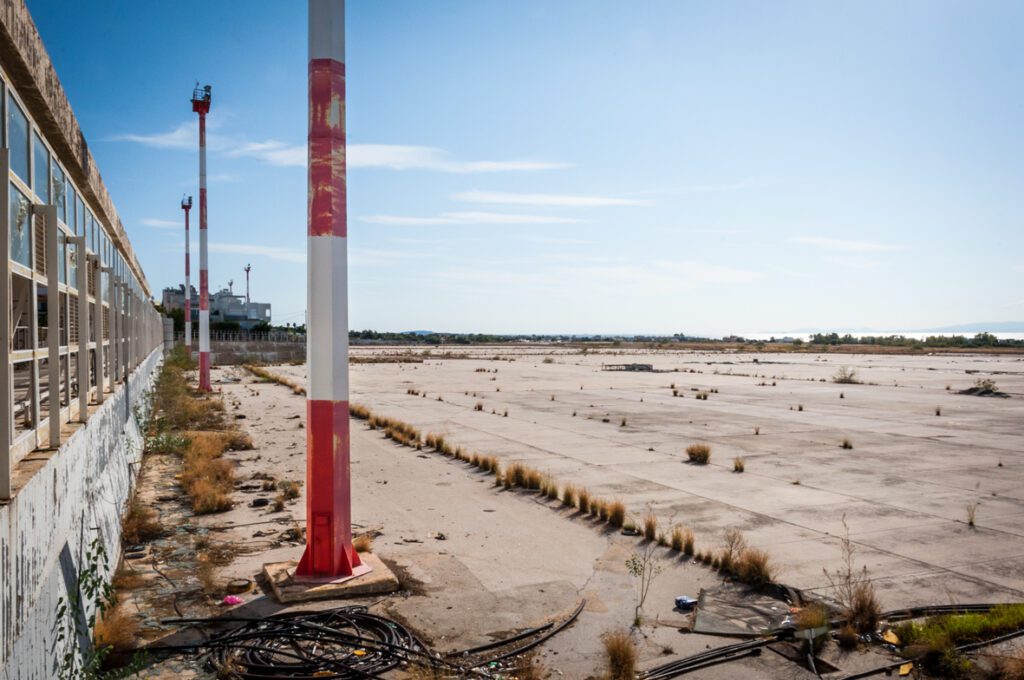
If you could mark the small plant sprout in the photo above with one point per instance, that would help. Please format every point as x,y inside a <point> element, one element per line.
<point>846,443</point>
<point>623,423</point>
<point>738,464</point>
<point>642,566</point>
<point>799,407</point>
<point>757,430</point>
<point>478,407</point>
<point>972,510</point>
<point>938,410</point>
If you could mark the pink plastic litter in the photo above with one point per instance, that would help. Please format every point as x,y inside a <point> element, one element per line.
<point>233,599</point>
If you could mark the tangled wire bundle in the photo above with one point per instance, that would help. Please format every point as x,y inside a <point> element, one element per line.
<point>348,642</point>
<point>343,643</point>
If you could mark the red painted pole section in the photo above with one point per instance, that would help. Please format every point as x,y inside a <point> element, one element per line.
<point>201,105</point>
<point>329,552</point>
<point>186,205</point>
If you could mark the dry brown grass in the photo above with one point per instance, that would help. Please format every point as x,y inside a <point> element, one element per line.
<point>617,513</point>
<point>275,378</point>
<point>116,629</point>
<point>738,464</point>
<point>289,490</point>
<point>207,478</point>
<point>140,523</point>
<point>675,540</point>
<point>359,411</point>
<point>811,616</point>
<point>362,543</point>
<point>699,453</point>
<point>620,655</point>
<point>846,443</point>
<point>583,500</point>
<point>754,567</point>
<point>569,495</point>
<point>126,578</point>
<point>650,526</point>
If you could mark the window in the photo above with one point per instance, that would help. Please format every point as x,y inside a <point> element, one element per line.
<point>21,230</point>
<point>58,190</point>
<point>80,217</point>
<point>72,265</point>
<point>17,138</point>
<point>62,246</point>
<point>41,171</point>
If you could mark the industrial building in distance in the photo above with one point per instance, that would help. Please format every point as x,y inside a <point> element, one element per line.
<point>225,307</point>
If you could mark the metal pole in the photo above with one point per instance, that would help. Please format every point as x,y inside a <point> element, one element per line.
<point>49,213</point>
<point>201,105</point>
<point>83,328</point>
<point>112,331</point>
<point>99,328</point>
<point>329,551</point>
<point>6,396</point>
<point>186,206</point>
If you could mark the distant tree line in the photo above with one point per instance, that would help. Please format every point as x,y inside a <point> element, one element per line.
<point>979,340</point>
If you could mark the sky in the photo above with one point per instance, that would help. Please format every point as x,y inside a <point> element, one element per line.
<point>700,167</point>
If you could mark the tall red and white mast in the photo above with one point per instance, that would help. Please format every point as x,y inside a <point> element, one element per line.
<point>329,552</point>
<point>186,205</point>
<point>201,105</point>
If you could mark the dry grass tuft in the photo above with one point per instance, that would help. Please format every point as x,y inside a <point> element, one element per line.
<point>289,490</point>
<point>738,464</point>
<point>116,629</point>
<point>617,513</point>
<point>569,495</point>
<point>754,567</point>
<point>676,538</point>
<point>846,443</point>
<point>698,453</point>
<point>362,543</point>
<point>650,526</point>
<point>620,655</point>
<point>583,500</point>
<point>479,406</point>
<point>139,523</point>
<point>276,378</point>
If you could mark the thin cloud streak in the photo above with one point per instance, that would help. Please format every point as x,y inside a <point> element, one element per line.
<point>845,246</point>
<point>161,224</point>
<point>274,253</point>
<point>545,200</point>
<point>469,218</point>
<point>386,156</point>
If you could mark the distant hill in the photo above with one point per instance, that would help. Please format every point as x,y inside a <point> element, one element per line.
<point>417,332</point>
<point>988,326</point>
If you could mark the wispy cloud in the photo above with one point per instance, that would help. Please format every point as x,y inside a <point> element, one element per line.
<point>469,218</point>
<point>160,224</point>
<point>545,200</point>
<point>844,246</point>
<point>397,157</point>
<point>389,156</point>
<point>272,152</point>
<point>274,253</point>
<point>182,137</point>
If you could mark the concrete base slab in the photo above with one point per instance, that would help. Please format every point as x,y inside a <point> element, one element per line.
<point>372,578</point>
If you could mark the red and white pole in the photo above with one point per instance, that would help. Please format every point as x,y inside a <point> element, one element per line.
<point>329,552</point>
<point>201,105</point>
<point>186,205</point>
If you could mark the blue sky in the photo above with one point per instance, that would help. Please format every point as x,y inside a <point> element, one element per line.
<point>656,167</point>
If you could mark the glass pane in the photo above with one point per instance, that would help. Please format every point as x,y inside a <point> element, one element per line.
<point>62,247</point>
<point>41,180</point>
<point>17,136</point>
<point>24,415</point>
<point>57,183</point>
<point>80,218</point>
<point>21,234</point>
<point>72,265</point>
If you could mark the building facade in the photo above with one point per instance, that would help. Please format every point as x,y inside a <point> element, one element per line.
<point>82,344</point>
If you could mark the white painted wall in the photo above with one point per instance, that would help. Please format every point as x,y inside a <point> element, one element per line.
<point>79,491</point>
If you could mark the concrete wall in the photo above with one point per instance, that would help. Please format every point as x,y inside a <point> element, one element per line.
<point>227,353</point>
<point>75,494</point>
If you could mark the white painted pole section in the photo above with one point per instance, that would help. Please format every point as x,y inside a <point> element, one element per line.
<point>52,322</point>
